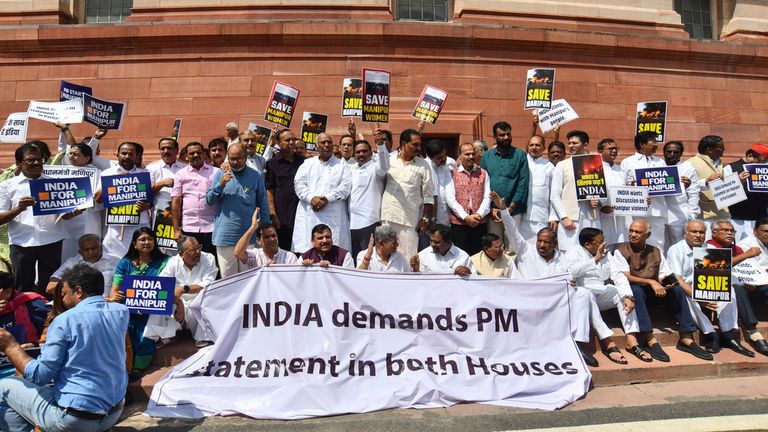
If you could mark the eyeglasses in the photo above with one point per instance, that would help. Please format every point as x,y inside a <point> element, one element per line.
<point>75,155</point>
<point>32,160</point>
<point>194,249</point>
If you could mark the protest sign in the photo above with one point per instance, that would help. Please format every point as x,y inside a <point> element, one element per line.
<point>263,135</point>
<point>163,226</point>
<point>70,111</point>
<point>69,91</point>
<point>539,88</point>
<point>660,180</point>
<point>589,177</point>
<point>757,181</point>
<point>749,272</point>
<point>68,171</point>
<point>711,274</point>
<point>103,113</point>
<point>374,345</point>
<point>15,128</point>
<point>727,191</point>
<point>430,104</point>
<point>629,200</point>
<point>312,125</point>
<point>176,129</point>
<point>125,189</point>
<point>560,114</point>
<point>151,295</point>
<point>652,117</point>
<point>352,98</point>
<point>375,95</point>
<point>123,215</point>
<point>282,104</point>
<point>54,196</point>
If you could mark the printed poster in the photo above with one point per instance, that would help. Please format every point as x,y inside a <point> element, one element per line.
<point>60,195</point>
<point>102,113</point>
<point>312,125</point>
<point>430,104</point>
<point>727,191</point>
<point>263,134</point>
<point>539,88</point>
<point>125,189</point>
<point>352,98</point>
<point>69,91</point>
<point>629,200</point>
<point>163,226</point>
<point>282,104</point>
<point>69,112</point>
<point>589,177</point>
<point>176,129</point>
<point>652,117</point>
<point>375,96</point>
<point>711,274</point>
<point>151,295</point>
<point>660,181</point>
<point>128,215</point>
<point>757,181</point>
<point>15,128</point>
<point>560,114</point>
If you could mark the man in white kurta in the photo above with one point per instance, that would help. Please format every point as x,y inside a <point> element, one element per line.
<point>539,211</point>
<point>683,207</point>
<point>323,184</point>
<point>91,254</point>
<point>194,270</point>
<point>368,174</point>
<point>614,227</point>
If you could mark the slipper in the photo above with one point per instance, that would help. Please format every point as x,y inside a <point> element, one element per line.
<point>615,349</point>
<point>638,352</point>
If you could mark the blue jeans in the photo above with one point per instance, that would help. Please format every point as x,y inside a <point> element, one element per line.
<point>24,405</point>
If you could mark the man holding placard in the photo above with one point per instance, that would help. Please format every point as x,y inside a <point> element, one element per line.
<point>745,213</point>
<point>685,206</point>
<point>711,148</point>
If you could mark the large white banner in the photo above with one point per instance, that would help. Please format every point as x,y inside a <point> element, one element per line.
<point>295,342</point>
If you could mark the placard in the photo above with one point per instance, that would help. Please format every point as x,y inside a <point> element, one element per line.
<point>176,129</point>
<point>749,272</point>
<point>430,104</point>
<point>727,191</point>
<point>352,98</point>
<point>312,125</point>
<point>629,200</point>
<point>539,88</point>
<point>652,117</point>
<point>589,177</point>
<point>152,295</point>
<point>60,195</point>
<point>70,111</point>
<point>102,113</point>
<point>15,128</point>
<point>163,226</point>
<point>560,114</point>
<point>282,104</point>
<point>127,215</point>
<point>119,190</point>
<point>70,91</point>
<point>263,134</point>
<point>711,274</point>
<point>757,181</point>
<point>375,96</point>
<point>659,181</point>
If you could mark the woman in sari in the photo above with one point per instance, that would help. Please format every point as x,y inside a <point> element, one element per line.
<point>143,258</point>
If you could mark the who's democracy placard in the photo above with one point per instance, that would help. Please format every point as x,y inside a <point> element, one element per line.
<point>430,104</point>
<point>60,195</point>
<point>152,295</point>
<point>282,104</point>
<point>757,181</point>
<point>659,180</point>
<point>375,96</point>
<point>125,189</point>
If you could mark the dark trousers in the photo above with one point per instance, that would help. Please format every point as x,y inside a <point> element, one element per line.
<point>361,237</point>
<point>744,301</point>
<point>285,237</point>
<point>469,239</point>
<point>206,241</point>
<point>675,299</point>
<point>34,261</point>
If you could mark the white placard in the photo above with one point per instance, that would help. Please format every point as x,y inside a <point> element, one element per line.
<point>560,114</point>
<point>629,200</point>
<point>15,129</point>
<point>727,191</point>
<point>70,111</point>
<point>295,342</point>
<point>749,272</point>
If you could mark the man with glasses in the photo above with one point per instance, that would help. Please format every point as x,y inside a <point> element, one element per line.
<point>323,184</point>
<point>279,176</point>
<point>683,207</point>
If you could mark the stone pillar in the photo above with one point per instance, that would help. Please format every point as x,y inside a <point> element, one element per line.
<point>744,20</point>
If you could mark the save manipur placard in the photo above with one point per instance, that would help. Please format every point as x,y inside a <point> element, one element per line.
<point>652,117</point>
<point>375,96</point>
<point>151,295</point>
<point>125,189</point>
<point>539,88</point>
<point>352,98</point>
<point>711,274</point>
<point>430,104</point>
<point>589,177</point>
<point>312,125</point>
<point>60,195</point>
<point>282,104</point>
<point>294,342</point>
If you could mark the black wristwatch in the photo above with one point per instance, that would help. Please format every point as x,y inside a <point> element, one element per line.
<point>186,289</point>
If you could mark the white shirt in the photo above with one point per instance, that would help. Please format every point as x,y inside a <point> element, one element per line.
<point>685,207</point>
<point>367,189</point>
<point>539,184</point>
<point>441,176</point>
<point>457,209</point>
<point>106,265</point>
<point>159,170</point>
<point>680,257</point>
<point>658,207</point>
<point>593,276</point>
<point>26,229</point>
<point>751,242</point>
<point>203,274</point>
<point>257,258</point>
<point>397,262</point>
<point>530,264</point>
<point>430,261</point>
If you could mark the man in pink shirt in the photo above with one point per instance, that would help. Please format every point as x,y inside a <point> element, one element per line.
<point>192,216</point>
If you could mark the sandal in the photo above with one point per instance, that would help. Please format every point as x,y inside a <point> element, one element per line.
<point>615,350</point>
<point>638,352</point>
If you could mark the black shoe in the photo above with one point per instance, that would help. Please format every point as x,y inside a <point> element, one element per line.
<point>760,346</point>
<point>694,349</point>
<point>589,359</point>
<point>128,398</point>
<point>711,342</point>
<point>732,344</point>
<point>657,353</point>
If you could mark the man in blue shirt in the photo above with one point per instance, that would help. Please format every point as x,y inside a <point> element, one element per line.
<point>83,357</point>
<point>238,190</point>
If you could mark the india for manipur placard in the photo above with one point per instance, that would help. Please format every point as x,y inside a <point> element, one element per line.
<point>352,98</point>
<point>375,96</point>
<point>430,104</point>
<point>282,104</point>
<point>652,117</point>
<point>539,88</point>
<point>60,195</point>
<point>757,181</point>
<point>126,189</point>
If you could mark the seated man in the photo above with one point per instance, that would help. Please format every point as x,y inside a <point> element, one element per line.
<point>194,270</point>
<point>492,261</point>
<point>270,252</point>
<point>680,257</point>
<point>324,252</point>
<point>382,254</point>
<point>442,255</point>
<point>645,268</point>
<point>92,254</point>
<point>84,357</point>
